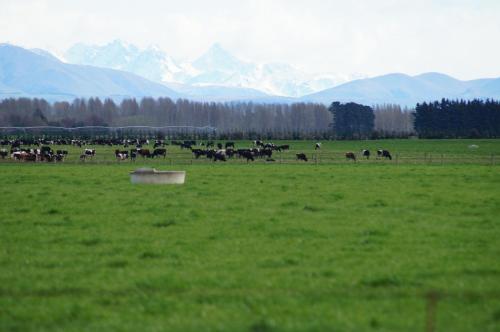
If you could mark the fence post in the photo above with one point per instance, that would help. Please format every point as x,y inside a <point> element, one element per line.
<point>431,307</point>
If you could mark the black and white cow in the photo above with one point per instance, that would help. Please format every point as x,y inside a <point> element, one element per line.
<point>366,154</point>
<point>121,155</point>
<point>160,152</point>
<point>89,153</point>
<point>220,155</point>
<point>317,146</point>
<point>384,154</point>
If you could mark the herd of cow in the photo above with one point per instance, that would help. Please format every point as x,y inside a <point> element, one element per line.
<point>209,149</point>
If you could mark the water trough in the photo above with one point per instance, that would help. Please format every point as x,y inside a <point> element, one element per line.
<point>152,176</point>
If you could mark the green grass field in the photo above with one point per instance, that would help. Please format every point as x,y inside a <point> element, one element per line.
<point>257,247</point>
<point>332,152</point>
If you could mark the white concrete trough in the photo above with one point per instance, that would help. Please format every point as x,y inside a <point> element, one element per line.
<point>152,176</point>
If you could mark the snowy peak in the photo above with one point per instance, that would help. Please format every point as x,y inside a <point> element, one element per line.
<point>215,67</point>
<point>151,63</point>
<point>218,59</point>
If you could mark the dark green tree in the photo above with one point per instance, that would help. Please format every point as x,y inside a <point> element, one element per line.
<point>351,120</point>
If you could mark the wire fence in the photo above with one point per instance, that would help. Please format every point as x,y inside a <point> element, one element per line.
<point>318,158</point>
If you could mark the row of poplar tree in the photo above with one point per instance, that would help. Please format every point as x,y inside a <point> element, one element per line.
<point>240,120</point>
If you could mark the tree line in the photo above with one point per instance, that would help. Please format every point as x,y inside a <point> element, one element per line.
<point>247,120</point>
<point>458,119</point>
<point>236,120</point>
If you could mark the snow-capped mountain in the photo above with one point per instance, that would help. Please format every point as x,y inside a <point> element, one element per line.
<point>151,63</point>
<point>216,67</point>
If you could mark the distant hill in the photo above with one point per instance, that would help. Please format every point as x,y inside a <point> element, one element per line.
<point>36,73</point>
<point>407,90</point>
<point>216,93</point>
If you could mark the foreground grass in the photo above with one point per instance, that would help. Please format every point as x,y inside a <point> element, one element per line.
<point>250,247</point>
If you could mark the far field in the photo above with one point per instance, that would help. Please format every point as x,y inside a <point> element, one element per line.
<point>265,247</point>
<point>408,151</point>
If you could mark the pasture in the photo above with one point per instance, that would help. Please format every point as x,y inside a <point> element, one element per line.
<point>453,151</point>
<point>255,247</point>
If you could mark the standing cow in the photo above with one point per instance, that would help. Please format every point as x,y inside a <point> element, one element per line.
<point>301,156</point>
<point>160,152</point>
<point>350,156</point>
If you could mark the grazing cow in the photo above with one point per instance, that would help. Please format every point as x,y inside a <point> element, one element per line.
<point>247,154</point>
<point>160,152</point>
<point>350,155</point>
<point>384,154</point>
<point>271,146</point>
<point>158,143</point>
<point>16,155</point>
<point>46,149</point>
<point>198,152</point>
<point>266,152</point>
<point>59,157</point>
<point>317,146</point>
<point>3,153</point>
<point>121,155</point>
<point>230,152</point>
<point>301,156</point>
<point>220,155</point>
<point>283,147</point>
<point>366,154</point>
<point>144,153</point>
<point>258,143</point>
<point>229,145</point>
<point>89,153</point>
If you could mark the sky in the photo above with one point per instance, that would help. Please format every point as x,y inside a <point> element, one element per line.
<point>372,37</point>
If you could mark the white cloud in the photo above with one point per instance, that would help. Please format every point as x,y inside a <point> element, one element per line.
<point>458,37</point>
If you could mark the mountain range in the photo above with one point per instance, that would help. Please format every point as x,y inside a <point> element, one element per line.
<point>216,67</point>
<point>128,71</point>
<point>37,73</point>
<point>408,90</point>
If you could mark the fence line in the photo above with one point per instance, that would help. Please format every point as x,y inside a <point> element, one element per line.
<point>322,158</point>
<point>109,128</point>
